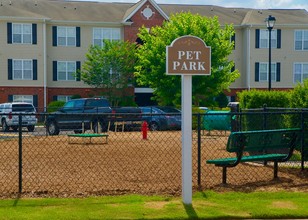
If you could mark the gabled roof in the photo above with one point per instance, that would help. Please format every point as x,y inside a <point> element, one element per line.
<point>131,11</point>
<point>120,13</point>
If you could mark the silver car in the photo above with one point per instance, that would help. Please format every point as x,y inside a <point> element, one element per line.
<point>9,114</point>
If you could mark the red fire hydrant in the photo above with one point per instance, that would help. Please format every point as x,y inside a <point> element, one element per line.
<point>144,129</point>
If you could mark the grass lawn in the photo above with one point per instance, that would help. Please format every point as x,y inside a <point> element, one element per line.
<point>206,205</point>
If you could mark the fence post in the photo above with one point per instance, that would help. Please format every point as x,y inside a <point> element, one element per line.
<point>19,153</point>
<point>264,125</point>
<point>264,117</point>
<point>303,141</point>
<point>199,150</point>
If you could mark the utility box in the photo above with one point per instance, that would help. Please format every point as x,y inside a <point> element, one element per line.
<point>217,120</point>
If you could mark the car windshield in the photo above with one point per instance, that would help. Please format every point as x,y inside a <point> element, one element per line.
<point>97,103</point>
<point>22,108</point>
<point>169,110</point>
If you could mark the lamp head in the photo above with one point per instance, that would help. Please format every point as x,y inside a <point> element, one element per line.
<point>270,22</point>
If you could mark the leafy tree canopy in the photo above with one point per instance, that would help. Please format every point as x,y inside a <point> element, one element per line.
<point>150,69</point>
<point>110,67</point>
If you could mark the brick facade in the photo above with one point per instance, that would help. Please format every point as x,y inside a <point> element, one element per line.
<point>5,92</point>
<point>139,20</point>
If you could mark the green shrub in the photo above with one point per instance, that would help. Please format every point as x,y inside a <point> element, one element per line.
<point>299,99</point>
<point>54,106</point>
<point>259,98</point>
<point>256,99</point>
<point>76,96</point>
<point>299,96</point>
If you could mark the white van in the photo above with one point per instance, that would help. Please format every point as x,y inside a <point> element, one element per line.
<point>9,115</point>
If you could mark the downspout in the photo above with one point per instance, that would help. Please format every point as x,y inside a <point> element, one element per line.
<point>45,65</point>
<point>248,58</point>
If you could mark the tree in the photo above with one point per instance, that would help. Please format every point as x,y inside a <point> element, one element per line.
<point>110,68</point>
<point>222,100</point>
<point>150,69</point>
<point>299,96</point>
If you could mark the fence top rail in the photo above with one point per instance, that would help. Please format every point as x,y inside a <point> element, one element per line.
<point>274,108</point>
<point>268,131</point>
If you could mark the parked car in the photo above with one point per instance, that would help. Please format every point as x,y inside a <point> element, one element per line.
<point>9,114</point>
<point>84,114</point>
<point>162,118</point>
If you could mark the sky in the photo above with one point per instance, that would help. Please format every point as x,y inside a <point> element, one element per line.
<point>259,4</point>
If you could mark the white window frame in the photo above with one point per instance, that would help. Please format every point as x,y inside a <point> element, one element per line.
<point>264,77</point>
<point>21,69</point>
<point>63,69</point>
<point>21,33</point>
<point>66,36</point>
<point>301,73</point>
<point>23,98</point>
<point>101,34</point>
<point>301,40</point>
<point>263,38</point>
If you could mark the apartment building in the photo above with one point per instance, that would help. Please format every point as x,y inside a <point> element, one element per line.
<point>44,42</point>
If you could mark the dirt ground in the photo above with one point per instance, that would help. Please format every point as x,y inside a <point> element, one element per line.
<point>51,166</point>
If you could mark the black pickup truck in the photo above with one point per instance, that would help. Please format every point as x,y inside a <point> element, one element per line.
<point>84,114</point>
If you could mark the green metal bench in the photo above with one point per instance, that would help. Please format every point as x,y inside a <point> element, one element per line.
<point>264,145</point>
<point>87,135</point>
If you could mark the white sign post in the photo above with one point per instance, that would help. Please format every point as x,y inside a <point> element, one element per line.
<point>186,139</point>
<point>187,56</point>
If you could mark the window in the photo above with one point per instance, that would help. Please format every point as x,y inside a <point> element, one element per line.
<point>261,72</point>
<point>300,72</point>
<point>233,40</point>
<point>22,70</point>
<point>22,33</point>
<point>23,98</point>
<point>66,70</point>
<point>301,40</point>
<point>263,35</point>
<point>66,36</point>
<point>264,38</point>
<point>100,34</point>
<point>19,69</point>
<point>64,98</point>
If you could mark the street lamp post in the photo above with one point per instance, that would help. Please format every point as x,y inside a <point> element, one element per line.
<point>270,22</point>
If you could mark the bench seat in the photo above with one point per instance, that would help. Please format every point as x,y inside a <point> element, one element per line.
<point>267,157</point>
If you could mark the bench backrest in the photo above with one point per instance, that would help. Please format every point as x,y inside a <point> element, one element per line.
<point>263,139</point>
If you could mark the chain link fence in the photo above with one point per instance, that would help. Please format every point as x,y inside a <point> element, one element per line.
<point>130,159</point>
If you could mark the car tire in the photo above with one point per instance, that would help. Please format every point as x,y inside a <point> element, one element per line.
<point>77,131</point>
<point>4,125</point>
<point>103,127</point>
<point>52,128</point>
<point>30,128</point>
<point>95,127</point>
<point>154,126</point>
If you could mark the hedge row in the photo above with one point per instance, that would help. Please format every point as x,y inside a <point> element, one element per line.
<point>296,98</point>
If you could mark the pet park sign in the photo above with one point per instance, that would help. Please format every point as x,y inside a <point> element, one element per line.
<point>187,56</point>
